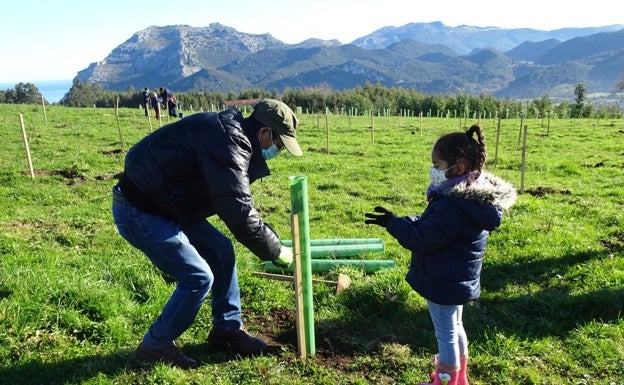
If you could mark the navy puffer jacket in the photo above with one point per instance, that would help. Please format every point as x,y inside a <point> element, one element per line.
<point>449,239</point>
<point>200,166</point>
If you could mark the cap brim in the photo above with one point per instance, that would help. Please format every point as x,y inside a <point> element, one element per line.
<point>291,145</point>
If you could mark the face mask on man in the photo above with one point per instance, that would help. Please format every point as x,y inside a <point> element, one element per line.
<point>437,177</point>
<point>271,152</point>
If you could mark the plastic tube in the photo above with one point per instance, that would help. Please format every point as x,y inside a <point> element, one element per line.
<point>344,250</point>
<point>326,265</point>
<point>299,203</point>
<point>324,248</point>
<point>338,241</point>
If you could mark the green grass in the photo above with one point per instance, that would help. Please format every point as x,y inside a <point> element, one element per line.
<point>75,298</point>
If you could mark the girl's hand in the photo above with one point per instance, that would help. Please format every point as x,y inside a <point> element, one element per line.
<point>379,219</point>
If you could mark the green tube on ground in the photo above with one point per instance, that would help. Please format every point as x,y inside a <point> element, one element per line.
<point>326,265</point>
<point>299,203</point>
<point>345,250</point>
<point>338,241</point>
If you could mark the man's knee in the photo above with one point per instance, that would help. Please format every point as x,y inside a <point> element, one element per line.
<point>199,281</point>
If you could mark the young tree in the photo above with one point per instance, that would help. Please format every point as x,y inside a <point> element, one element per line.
<point>543,105</point>
<point>580,96</point>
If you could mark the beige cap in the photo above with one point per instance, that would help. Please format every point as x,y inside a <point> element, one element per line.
<point>281,119</point>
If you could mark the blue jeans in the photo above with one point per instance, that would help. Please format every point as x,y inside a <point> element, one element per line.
<point>198,256</point>
<point>449,331</point>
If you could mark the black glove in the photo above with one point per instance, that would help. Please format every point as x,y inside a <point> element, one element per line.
<point>379,219</point>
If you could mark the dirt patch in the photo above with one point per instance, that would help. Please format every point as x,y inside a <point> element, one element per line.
<point>317,150</point>
<point>614,243</point>
<point>70,173</point>
<point>107,177</point>
<point>279,329</point>
<point>73,175</point>
<point>113,152</point>
<point>542,191</point>
<point>65,173</point>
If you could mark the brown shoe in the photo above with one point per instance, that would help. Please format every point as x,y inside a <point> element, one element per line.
<point>171,355</point>
<point>239,341</point>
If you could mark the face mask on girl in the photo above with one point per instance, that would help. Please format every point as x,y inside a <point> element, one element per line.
<point>271,152</point>
<point>437,177</point>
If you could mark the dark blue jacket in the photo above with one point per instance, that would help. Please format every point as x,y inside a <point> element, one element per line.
<point>200,166</point>
<point>449,239</point>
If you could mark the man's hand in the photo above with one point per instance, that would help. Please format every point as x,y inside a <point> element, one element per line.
<point>379,219</point>
<point>285,258</point>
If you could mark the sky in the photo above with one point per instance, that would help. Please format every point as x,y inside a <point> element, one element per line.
<point>54,40</point>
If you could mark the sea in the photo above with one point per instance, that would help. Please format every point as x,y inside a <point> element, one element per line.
<point>52,90</point>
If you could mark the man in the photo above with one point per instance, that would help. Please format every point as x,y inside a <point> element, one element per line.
<point>146,99</point>
<point>168,97</point>
<point>173,180</point>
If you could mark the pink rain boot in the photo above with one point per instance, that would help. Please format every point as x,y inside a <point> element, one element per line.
<point>462,377</point>
<point>443,374</point>
<point>434,360</point>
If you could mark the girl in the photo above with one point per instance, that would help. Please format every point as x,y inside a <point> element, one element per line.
<point>448,241</point>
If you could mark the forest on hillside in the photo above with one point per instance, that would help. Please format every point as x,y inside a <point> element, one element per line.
<point>375,98</point>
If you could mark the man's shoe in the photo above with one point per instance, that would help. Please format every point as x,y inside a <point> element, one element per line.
<point>171,355</point>
<point>239,341</point>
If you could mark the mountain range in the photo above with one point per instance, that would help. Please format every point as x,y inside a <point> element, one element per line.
<point>427,57</point>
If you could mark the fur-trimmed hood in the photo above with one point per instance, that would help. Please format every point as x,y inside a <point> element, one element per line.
<point>489,190</point>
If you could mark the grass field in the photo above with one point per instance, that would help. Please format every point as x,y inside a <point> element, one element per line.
<point>75,298</point>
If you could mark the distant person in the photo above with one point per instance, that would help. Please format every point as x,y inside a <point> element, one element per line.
<point>448,241</point>
<point>146,100</point>
<point>154,100</point>
<point>172,106</point>
<point>169,98</point>
<point>173,180</point>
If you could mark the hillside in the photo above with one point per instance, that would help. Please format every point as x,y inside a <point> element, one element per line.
<point>428,57</point>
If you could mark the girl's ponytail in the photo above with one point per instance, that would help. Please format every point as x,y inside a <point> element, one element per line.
<point>481,155</point>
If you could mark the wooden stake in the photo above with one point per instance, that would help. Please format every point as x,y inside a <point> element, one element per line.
<point>123,146</point>
<point>372,127</point>
<point>149,116</point>
<point>32,171</point>
<point>343,283</point>
<point>497,141</point>
<point>45,116</point>
<point>326,131</point>
<point>298,277</point>
<point>523,159</point>
<point>548,129</point>
<point>520,130</point>
<point>290,278</point>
